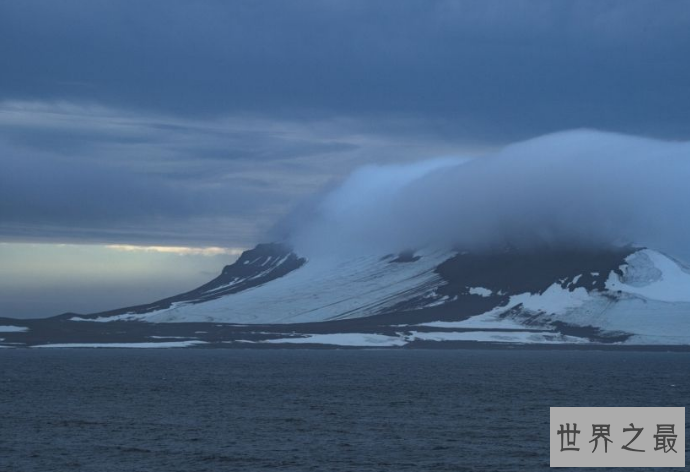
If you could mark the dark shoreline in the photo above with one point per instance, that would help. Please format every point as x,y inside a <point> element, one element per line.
<point>414,345</point>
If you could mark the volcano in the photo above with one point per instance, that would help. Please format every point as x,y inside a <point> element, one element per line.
<point>271,296</point>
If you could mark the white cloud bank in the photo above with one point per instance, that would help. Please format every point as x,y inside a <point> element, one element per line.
<point>582,187</point>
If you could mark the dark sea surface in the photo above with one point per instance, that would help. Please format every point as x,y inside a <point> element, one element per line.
<point>301,410</point>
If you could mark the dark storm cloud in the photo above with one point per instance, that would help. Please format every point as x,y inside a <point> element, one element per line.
<point>69,129</point>
<point>496,69</point>
<point>43,193</point>
<point>112,176</point>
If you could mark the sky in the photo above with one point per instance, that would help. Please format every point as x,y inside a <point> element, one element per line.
<point>153,124</point>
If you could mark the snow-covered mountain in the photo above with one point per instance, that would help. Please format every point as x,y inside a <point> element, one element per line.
<point>272,296</point>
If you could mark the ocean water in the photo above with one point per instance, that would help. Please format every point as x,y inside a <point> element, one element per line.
<point>301,410</point>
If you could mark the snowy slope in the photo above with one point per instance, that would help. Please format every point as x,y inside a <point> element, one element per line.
<point>321,290</point>
<point>650,301</point>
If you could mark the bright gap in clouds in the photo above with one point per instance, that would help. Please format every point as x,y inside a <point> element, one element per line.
<point>179,250</point>
<point>39,280</point>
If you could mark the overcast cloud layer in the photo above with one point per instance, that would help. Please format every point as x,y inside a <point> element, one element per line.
<point>202,123</point>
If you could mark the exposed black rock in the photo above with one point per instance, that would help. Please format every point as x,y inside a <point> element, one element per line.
<point>406,256</point>
<point>512,272</point>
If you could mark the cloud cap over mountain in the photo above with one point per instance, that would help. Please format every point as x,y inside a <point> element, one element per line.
<point>575,188</point>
